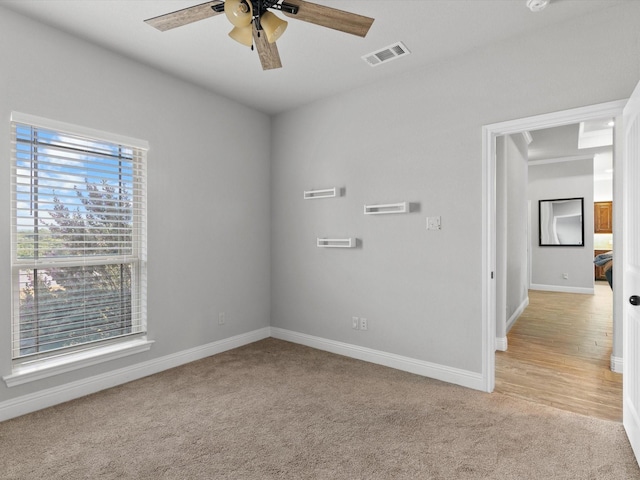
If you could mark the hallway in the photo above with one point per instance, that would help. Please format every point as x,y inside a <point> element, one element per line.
<point>559,354</point>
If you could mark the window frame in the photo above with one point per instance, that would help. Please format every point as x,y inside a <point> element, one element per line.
<point>33,367</point>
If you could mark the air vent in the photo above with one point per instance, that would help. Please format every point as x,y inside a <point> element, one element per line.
<point>387,54</point>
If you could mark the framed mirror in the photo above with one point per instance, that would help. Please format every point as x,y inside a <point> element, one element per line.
<point>561,222</point>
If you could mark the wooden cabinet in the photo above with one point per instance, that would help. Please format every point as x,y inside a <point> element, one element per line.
<point>603,217</point>
<point>599,271</point>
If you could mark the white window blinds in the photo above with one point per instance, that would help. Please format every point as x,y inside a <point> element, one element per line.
<point>78,246</point>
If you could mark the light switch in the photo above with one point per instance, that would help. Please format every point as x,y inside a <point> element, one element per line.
<point>433,223</point>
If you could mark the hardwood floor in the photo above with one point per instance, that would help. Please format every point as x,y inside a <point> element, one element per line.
<point>559,354</point>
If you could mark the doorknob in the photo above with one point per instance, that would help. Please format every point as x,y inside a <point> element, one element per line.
<point>634,300</point>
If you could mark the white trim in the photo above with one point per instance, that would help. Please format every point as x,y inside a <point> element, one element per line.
<point>69,391</point>
<point>563,289</point>
<point>501,342</point>
<point>626,278</point>
<point>457,376</point>
<point>489,134</point>
<point>546,161</point>
<point>631,423</point>
<point>48,367</point>
<point>557,119</point>
<point>488,258</point>
<point>517,313</point>
<point>78,130</point>
<point>617,364</point>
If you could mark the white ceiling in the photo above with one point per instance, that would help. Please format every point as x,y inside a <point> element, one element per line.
<point>317,62</point>
<point>560,143</point>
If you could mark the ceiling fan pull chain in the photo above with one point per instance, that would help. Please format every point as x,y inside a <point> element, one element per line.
<point>256,18</point>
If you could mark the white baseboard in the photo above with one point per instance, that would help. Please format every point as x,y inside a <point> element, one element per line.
<point>517,313</point>
<point>501,342</point>
<point>560,288</point>
<point>457,376</point>
<point>63,393</point>
<point>616,364</point>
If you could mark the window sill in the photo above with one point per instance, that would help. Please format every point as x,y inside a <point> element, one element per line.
<point>39,369</point>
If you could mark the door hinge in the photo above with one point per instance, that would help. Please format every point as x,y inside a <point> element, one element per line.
<point>491,275</point>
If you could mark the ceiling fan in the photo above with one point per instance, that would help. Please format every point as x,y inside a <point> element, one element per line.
<point>254,23</point>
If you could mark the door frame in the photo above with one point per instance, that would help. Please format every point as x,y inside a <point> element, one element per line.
<point>489,234</point>
<point>631,336</point>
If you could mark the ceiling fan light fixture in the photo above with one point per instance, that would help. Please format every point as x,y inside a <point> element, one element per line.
<point>243,35</point>
<point>273,26</point>
<point>239,12</point>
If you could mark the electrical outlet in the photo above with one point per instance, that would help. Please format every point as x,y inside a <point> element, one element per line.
<point>355,323</point>
<point>565,276</point>
<point>221,318</point>
<point>363,323</point>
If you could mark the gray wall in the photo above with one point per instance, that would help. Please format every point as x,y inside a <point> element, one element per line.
<point>562,180</point>
<point>512,229</point>
<point>414,138</point>
<point>517,226</point>
<point>208,194</point>
<point>418,138</point>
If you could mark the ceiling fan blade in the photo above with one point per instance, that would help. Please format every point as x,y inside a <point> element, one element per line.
<point>268,52</point>
<point>330,17</point>
<point>184,16</point>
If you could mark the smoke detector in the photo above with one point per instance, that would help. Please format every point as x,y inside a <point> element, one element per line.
<point>537,5</point>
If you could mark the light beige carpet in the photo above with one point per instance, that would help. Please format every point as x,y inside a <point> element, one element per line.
<point>278,410</point>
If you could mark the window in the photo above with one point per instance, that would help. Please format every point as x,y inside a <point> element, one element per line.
<point>78,238</point>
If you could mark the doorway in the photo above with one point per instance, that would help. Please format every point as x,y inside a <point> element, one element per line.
<point>490,135</point>
<point>559,352</point>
